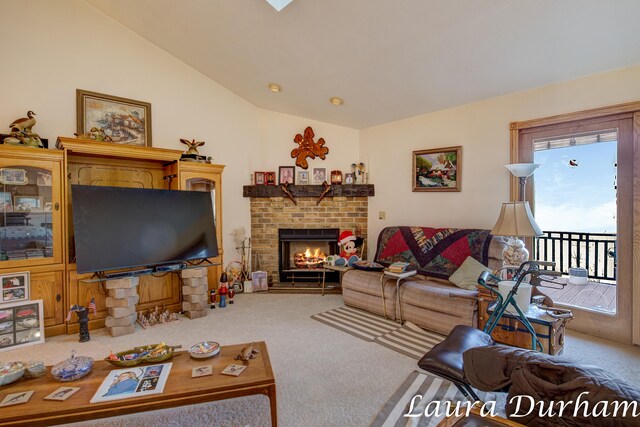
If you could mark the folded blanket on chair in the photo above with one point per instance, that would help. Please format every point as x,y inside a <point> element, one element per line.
<point>435,252</point>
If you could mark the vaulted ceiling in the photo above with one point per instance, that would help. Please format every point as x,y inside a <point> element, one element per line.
<point>388,59</point>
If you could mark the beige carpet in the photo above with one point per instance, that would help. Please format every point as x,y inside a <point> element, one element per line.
<point>324,377</point>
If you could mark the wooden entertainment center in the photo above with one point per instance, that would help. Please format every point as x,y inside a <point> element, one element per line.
<point>50,259</point>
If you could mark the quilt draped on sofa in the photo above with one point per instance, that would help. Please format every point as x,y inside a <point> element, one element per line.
<point>435,252</point>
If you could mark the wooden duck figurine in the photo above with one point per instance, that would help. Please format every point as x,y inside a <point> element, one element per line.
<point>24,124</point>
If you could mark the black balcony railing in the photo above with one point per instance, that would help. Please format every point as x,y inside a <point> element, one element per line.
<point>594,251</point>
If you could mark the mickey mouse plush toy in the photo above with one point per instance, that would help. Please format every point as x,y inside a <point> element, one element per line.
<point>348,249</point>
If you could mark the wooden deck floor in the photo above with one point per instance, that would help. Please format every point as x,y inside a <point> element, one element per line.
<point>593,295</point>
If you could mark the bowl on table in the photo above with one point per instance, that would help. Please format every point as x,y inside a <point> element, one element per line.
<point>11,372</point>
<point>73,368</point>
<point>204,349</point>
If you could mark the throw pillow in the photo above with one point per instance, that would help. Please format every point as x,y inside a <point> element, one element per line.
<point>466,276</point>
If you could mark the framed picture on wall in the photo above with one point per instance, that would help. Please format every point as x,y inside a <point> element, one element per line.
<point>125,121</point>
<point>437,169</point>
<point>259,178</point>
<point>287,174</point>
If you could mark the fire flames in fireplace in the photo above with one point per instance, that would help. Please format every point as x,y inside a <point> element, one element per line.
<point>307,259</point>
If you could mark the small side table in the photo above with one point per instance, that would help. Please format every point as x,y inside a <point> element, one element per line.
<point>337,268</point>
<point>399,278</point>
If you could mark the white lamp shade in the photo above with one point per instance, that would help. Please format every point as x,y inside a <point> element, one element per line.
<point>516,220</point>
<point>522,170</point>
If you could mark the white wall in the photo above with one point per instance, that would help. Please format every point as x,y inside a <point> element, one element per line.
<point>52,48</point>
<point>277,131</point>
<point>482,129</point>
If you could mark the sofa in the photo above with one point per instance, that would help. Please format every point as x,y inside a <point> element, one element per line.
<point>428,299</point>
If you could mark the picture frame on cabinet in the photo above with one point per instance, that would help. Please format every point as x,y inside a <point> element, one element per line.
<point>126,121</point>
<point>302,178</point>
<point>28,204</point>
<point>6,202</point>
<point>258,178</point>
<point>23,324</point>
<point>14,287</point>
<point>11,176</point>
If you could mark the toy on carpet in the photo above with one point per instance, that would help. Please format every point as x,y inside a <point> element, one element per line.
<point>223,290</point>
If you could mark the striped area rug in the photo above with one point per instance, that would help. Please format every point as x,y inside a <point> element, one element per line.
<point>356,322</point>
<point>431,389</point>
<point>410,340</point>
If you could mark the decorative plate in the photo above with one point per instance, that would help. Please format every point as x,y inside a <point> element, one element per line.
<point>205,349</point>
<point>368,266</point>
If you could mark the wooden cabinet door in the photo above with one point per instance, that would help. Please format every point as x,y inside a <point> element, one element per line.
<point>208,178</point>
<point>48,287</point>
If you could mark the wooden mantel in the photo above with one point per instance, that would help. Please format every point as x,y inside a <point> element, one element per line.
<point>352,190</point>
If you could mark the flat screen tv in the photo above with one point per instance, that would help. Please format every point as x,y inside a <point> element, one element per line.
<point>118,228</point>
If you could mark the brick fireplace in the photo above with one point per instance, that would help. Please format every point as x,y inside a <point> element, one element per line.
<point>271,214</point>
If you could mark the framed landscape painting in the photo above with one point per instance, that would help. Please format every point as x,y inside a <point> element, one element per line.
<point>437,169</point>
<point>126,121</point>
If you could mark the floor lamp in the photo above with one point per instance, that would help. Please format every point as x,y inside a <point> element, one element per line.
<point>517,220</point>
<point>522,171</point>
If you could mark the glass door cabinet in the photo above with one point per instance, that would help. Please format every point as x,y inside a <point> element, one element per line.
<point>206,177</point>
<point>31,224</point>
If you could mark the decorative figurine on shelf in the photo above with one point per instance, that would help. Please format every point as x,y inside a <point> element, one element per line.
<point>212,298</point>
<point>83,318</point>
<point>192,154</point>
<point>362,173</point>
<point>95,134</point>
<point>348,249</point>
<point>22,134</point>
<point>223,290</point>
<point>354,169</point>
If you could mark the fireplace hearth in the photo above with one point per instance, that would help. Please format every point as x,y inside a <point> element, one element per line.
<point>302,252</point>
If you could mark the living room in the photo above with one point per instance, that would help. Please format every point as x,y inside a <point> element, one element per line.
<point>166,53</point>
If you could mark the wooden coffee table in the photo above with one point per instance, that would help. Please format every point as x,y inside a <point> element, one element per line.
<point>179,390</point>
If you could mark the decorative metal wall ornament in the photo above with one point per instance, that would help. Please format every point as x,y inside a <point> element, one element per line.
<point>285,189</point>
<point>307,147</point>
<point>326,188</point>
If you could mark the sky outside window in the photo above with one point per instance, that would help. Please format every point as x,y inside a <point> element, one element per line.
<point>577,198</point>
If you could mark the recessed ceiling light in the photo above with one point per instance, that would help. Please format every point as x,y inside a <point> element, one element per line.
<point>274,87</point>
<point>336,101</point>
